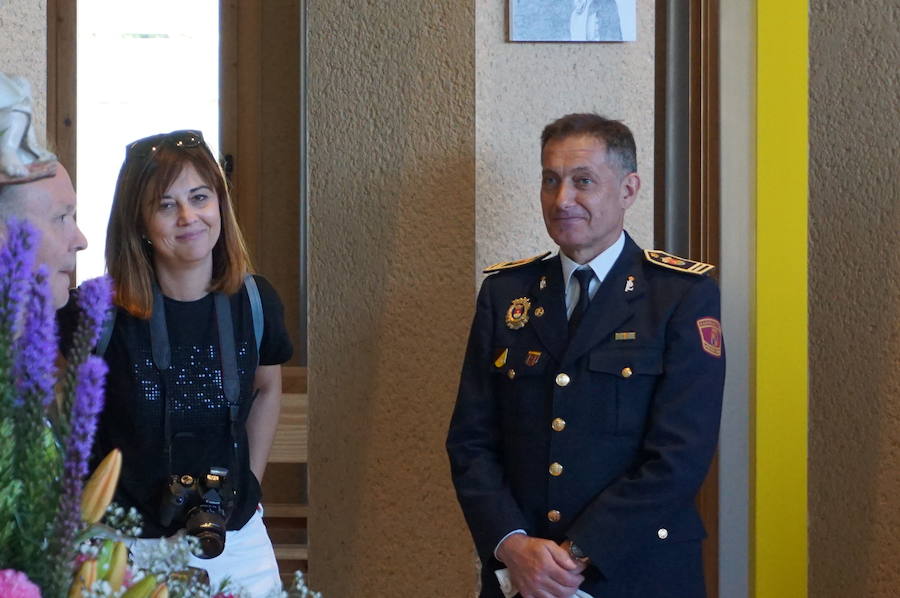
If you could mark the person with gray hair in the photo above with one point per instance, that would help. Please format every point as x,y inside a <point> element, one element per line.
<point>49,205</point>
<point>35,187</point>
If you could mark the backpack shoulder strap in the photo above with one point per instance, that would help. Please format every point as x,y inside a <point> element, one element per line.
<point>106,332</point>
<point>256,309</point>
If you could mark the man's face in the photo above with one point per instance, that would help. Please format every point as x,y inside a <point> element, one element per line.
<point>584,195</point>
<point>49,204</point>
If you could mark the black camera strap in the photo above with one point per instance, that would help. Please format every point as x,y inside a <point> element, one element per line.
<point>230,383</point>
<point>162,358</point>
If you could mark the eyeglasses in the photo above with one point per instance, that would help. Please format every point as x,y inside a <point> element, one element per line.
<point>146,148</point>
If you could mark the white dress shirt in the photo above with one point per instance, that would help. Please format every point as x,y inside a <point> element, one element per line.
<point>601,265</point>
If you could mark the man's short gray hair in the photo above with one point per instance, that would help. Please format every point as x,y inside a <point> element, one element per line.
<point>11,203</point>
<point>614,134</point>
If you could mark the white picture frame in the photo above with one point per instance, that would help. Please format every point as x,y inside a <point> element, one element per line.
<point>572,20</point>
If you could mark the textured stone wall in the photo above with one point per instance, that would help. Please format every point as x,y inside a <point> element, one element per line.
<point>23,51</point>
<point>854,402</point>
<point>391,226</point>
<point>523,86</point>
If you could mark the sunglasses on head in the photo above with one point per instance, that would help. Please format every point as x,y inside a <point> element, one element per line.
<point>146,148</point>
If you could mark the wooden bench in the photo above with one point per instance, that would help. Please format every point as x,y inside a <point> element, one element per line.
<point>285,483</point>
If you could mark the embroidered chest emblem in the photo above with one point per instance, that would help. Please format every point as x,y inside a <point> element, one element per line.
<point>517,314</point>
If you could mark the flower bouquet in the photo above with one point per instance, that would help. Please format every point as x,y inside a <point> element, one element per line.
<point>43,466</point>
<point>59,536</point>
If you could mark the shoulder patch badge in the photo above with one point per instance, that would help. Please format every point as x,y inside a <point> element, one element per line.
<point>710,336</point>
<point>515,264</point>
<point>673,262</point>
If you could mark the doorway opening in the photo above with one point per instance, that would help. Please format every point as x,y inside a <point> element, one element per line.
<point>140,72</point>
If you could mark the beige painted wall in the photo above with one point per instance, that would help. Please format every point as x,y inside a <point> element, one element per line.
<point>854,444</point>
<point>522,87</point>
<point>424,161</point>
<point>23,51</point>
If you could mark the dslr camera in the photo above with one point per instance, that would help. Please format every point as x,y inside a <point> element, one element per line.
<point>203,504</point>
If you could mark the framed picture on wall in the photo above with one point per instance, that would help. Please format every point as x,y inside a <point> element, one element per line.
<point>572,20</point>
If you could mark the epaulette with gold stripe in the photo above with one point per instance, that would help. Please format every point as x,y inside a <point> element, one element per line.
<point>673,262</point>
<point>515,264</point>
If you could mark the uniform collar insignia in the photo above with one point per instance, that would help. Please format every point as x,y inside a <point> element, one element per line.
<point>515,264</point>
<point>673,262</point>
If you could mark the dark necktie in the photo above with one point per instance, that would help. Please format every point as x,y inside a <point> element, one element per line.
<point>584,277</point>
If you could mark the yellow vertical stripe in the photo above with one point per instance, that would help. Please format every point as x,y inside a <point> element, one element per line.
<point>779,566</point>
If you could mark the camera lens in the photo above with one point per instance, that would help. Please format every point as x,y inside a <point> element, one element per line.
<point>209,528</point>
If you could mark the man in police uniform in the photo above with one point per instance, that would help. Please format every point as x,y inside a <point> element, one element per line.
<point>590,397</point>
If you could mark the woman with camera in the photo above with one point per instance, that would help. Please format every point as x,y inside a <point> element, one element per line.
<point>194,354</point>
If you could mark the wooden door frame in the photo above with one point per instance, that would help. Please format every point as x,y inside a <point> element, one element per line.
<point>239,94</point>
<point>61,83</point>
<point>242,115</point>
<point>687,167</point>
<point>687,163</point>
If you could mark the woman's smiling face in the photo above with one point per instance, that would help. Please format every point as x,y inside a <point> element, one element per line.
<point>185,224</point>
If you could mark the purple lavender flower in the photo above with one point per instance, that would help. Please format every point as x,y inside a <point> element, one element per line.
<point>93,299</point>
<point>16,262</point>
<point>93,303</point>
<point>87,406</point>
<point>34,379</point>
<point>34,368</point>
<point>85,409</point>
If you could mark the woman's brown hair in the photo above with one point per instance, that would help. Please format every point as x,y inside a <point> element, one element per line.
<point>151,166</point>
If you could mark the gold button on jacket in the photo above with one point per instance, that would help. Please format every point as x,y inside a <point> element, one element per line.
<point>562,379</point>
<point>558,425</point>
<point>556,469</point>
<point>553,516</point>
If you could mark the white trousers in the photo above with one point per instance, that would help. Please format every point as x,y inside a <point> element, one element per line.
<point>248,560</point>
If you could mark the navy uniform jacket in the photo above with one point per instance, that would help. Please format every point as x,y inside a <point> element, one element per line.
<point>629,408</point>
